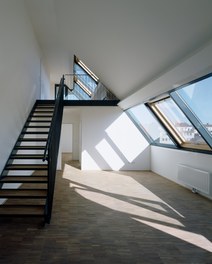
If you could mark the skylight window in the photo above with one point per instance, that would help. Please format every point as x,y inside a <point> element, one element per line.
<point>84,77</point>
<point>82,86</point>
<point>198,98</point>
<point>178,124</point>
<point>149,125</point>
<point>86,69</point>
<point>80,93</point>
<point>85,85</point>
<point>182,118</point>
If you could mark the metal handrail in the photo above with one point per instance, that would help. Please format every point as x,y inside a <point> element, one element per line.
<point>52,148</point>
<point>51,129</point>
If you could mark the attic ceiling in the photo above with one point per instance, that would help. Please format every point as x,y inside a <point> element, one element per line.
<point>126,43</point>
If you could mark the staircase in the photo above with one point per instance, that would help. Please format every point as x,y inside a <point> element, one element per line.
<point>28,178</point>
<point>24,180</point>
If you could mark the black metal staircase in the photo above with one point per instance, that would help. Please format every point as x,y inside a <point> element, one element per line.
<point>27,180</point>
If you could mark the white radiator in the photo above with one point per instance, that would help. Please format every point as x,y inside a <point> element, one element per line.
<point>197,180</point>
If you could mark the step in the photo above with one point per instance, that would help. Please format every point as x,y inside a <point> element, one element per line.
<point>23,193</point>
<point>35,114</point>
<point>40,118</point>
<point>35,132</point>
<point>29,147</point>
<point>26,156</point>
<point>32,126</point>
<point>25,201</point>
<point>38,121</point>
<point>32,139</point>
<point>42,107</point>
<point>43,111</point>
<point>44,104</point>
<point>24,179</point>
<point>26,167</point>
<point>22,210</point>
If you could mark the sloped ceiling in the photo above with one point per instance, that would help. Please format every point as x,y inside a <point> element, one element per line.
<point>126,43</point>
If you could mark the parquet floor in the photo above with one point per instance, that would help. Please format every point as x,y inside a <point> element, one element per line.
<point>113,218</point>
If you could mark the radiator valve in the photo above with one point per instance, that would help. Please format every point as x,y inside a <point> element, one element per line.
<point>194,190</point>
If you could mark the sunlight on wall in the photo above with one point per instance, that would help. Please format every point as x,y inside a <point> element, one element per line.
<point>109,155</point>
<point>126,137</point>
<point>89,162</point>
<point>195,239</point>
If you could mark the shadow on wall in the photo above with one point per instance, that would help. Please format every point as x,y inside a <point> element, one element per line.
<point>121,146</point>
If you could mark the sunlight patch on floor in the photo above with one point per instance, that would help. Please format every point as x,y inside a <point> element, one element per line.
<point>122,193</point>
<point>192,238</point>
<point>119,205</point>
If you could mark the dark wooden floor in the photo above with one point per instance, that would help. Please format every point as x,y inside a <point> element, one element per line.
<point>108,217</point>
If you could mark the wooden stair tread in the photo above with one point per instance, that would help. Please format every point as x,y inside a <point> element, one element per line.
<point>32,139</point>
<point>22,210</point>
<point>25,201</point>
<point>44,106</point>
<point>24,179</point>
<point>26,166</point>
<point>22,193</point>
<point>35,132</point>
<point>37,111</point>
<point>30,147</point>
<point>39,121</point>
<point>35,115</point>
<point>31,126</point>
<point>26,156</point>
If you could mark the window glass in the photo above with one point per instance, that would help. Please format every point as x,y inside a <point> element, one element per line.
<point>89,83</point>
<point>177,121</point>
<point>198,97</point>
<point>71,96</point>
<point>79,93</point>
<point>84,78</point>
<point>144,118</point>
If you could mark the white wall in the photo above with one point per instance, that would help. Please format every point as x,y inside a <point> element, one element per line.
<point>45,81</point>
<point>71,116</point>
<point>20,73</point>
<point>66,138</point>
<point>110,141</point>
<point>164,161</point>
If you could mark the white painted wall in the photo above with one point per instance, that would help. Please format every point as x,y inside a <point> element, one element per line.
<point>66,138</point>
<point>164,161</point>
<point>44,81</point>
<point>21,74</point>
<point>110,141</point>
<point>71,116</point>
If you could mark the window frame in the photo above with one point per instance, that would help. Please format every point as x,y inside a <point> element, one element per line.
<point>179,141</point>
<point>195,121</point>
<point>144,132</point>
<point>76,77</point>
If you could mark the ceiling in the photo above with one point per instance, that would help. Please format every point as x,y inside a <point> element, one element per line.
<point>126,43</point>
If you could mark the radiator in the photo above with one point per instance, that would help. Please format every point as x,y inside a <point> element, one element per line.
<point>196,179</point>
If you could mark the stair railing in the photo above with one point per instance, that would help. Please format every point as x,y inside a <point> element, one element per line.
<point>52,148</point>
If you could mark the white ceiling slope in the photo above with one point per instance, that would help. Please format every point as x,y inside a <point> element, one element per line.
<point>126,43</point>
